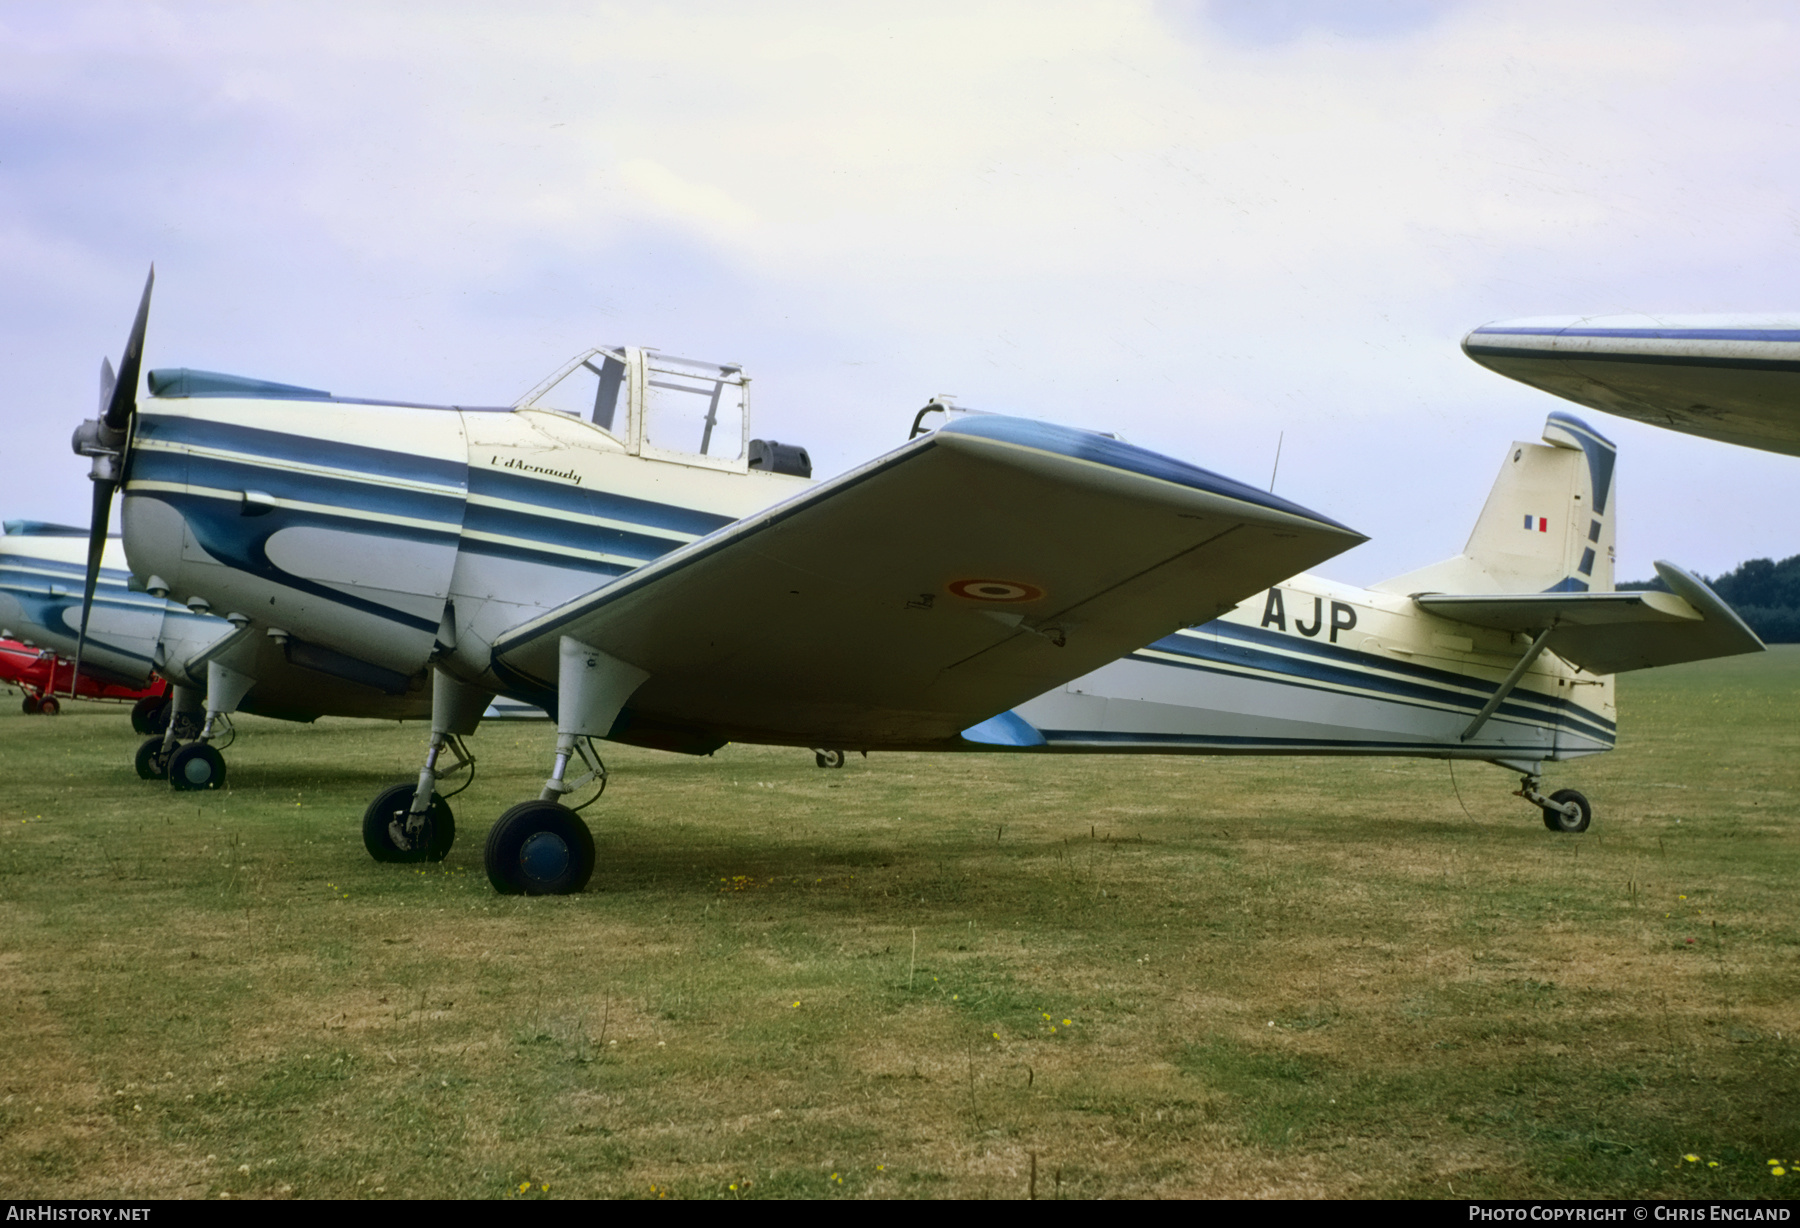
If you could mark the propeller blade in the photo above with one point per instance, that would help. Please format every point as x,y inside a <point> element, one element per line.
<point>118,402</point>
<point>123,402</point>
<point>97,524</point>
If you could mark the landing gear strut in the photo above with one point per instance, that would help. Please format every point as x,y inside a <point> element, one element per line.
<point>199,765</point>
<point>413,822</point>
<point>179,718</point>
<point>543,847</point>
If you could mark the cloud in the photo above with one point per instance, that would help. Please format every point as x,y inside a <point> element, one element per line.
<point>1266,23</point>
<point>1201,225</point>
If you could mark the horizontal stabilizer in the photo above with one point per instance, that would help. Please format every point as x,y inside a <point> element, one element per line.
<point>905,601</point>
<point>1613,633</point>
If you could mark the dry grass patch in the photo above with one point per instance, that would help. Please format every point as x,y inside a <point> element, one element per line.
<point>1279,977</point>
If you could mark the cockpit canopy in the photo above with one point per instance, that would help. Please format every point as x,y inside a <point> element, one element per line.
<point>668,408</point>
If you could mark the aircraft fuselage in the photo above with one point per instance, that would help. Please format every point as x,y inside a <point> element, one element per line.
<point>416,534</point>
<point>1312,667</point>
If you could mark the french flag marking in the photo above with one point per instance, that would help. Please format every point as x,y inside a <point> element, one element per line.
<point>1543,524</point>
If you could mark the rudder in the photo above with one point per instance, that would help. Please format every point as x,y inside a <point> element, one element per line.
<point>1547,525</point>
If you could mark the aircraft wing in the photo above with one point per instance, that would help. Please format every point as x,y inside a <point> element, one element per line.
<point>1731,378</point>
<point>955,577</point>
<point>1612,633</point>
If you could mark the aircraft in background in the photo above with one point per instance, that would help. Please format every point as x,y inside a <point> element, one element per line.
<point>135,637</point>
<point>1733,378</point>
<point>41,586</point>
<point>617,549</point>
<point>137,643</point>
<point>47,679</point>
<point>1504,653</point>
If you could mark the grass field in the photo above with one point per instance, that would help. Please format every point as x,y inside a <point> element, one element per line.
<point>916,976</point>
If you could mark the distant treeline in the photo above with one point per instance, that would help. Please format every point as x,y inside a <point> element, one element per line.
<point>1765,594</point>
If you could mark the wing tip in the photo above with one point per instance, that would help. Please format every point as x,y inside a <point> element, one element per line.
<point>1108,452</point>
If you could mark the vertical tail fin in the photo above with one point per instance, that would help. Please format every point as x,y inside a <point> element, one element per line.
<point>1547,525</point>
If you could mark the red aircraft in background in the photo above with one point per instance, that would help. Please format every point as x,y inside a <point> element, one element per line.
<point>44,677</point>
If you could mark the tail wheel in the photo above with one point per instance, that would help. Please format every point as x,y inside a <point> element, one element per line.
<point>384,827</point>
<point>1556,820</point>
<point>197,766</point>
<point>152,761</point>
<point>829,758</point>
<point>539,848</point>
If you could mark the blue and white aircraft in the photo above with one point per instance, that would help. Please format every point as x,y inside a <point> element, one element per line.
<point>617,549</point>
<point>41,581</point>
<point>133,636</point>
<point>1734,378</point>
<point>1504,652</point>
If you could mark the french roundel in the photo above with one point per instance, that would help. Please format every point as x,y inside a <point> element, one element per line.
<point>996,590</point>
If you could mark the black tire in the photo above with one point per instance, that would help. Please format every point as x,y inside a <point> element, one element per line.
<point>391,806</point>
<point>196,766</point>
<point>49,706</point>
<point>829,758</point>
<point>1557,821</point>
<point>145,711</point>
<point>152,764</point>
<point>30,705</point>
<point>539,848</point>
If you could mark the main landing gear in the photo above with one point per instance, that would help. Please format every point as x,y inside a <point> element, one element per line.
<point>543,847</point>
<point>539,847</point>
<point>392,832</point>
<point>413,822</point>
<point>1565,810</point>
<point>180,718</point>
<point>40,705</point>
<point>198,764</point>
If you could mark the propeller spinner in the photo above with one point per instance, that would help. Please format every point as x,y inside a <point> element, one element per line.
<point>104,439</point>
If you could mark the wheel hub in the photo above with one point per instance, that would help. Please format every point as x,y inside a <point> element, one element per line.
<point>544,856</point>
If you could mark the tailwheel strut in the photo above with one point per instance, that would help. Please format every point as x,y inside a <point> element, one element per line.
<point>1566,810</point>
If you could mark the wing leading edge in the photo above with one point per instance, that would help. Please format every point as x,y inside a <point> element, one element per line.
<point>907,600</point>
<point>1731,378</point>
<point>1613,633</point>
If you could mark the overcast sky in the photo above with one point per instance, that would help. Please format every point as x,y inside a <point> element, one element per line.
<point>1204,225</point>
